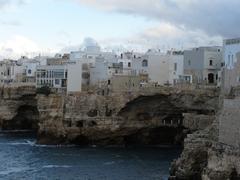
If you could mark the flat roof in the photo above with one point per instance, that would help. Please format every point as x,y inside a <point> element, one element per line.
<point>232,41</point>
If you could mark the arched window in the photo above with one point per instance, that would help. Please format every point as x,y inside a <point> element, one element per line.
<point>145,63</point>
<point>210,78</point>
<point>210,62</point>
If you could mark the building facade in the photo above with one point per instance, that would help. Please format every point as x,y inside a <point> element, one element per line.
<point>11,72</point>
<point>231,71</point>
<point>203,64</point>
<point>74,77</point>
<point>54,76</point>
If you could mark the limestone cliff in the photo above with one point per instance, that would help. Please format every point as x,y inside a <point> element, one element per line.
<point>212,153</point>
<point>117,119</point>
<point>18,108</point>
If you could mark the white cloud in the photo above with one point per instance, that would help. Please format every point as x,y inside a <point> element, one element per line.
<point>178,37</point>
<point>164,36</point>
<point>215,17</point>
<point>11,23</point>
<point>12,4</point>
<point>18,46</point>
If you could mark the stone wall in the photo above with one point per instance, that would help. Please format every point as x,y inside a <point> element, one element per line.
<point>229,122</point>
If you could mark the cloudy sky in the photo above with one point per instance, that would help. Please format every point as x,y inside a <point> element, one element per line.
<point>29,27</point>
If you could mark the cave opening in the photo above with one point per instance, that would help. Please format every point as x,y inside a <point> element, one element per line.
<point>159,119</point>
<point>27,118</point>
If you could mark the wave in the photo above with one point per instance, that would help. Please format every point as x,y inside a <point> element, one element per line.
<point>27,142</point>
<point>54,146</point>
<point>13,170</point>
<point>33,143</point>
<point>15,131</point>
<point>109,163</point>
<point>57,166</point>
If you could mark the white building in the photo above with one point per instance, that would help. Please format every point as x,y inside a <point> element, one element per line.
<point>63,78</point>
<point>163,69</point>
<point>140,65</point>
<point>30,66</point>
<point>204,64</point>
<point>176,66</point>
<point>103,71</point>
<point>230,48</point>
<point>53,76</point>
<point>158,67</point>
<point>130,63</point>
<point>74,77</point>
<point>11,72</point>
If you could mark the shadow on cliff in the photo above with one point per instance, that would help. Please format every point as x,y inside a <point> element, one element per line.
<point>26,118</point>
<point>157,119</point>
<point>146,120</point>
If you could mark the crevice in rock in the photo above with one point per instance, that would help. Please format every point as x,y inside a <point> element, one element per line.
<point>27,118</point>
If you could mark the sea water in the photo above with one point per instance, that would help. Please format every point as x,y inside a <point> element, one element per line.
<point>22,158</point>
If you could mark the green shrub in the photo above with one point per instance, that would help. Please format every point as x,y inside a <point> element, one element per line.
<point>44,90</point>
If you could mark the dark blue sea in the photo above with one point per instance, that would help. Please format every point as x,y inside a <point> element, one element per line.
<point>21,158</point>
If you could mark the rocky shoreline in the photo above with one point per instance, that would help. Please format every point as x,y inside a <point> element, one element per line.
<point>163,118</point>
<point>204,157</point>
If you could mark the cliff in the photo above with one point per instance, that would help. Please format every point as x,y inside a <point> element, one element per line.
<point>122,118</point>
<point>18,108</point>
<point>212,153</point>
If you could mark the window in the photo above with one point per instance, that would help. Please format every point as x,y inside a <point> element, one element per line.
<point>145,63</point>
<point>189,62</point>
<point>29,71</point>
<point>210,62</point>
<point>229,60</point>
<point>129,64</point>
<point>58,73</point>
<point>175,66</point>
<point>57,82</point>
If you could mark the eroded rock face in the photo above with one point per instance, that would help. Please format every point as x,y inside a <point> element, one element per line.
<point>205,157</point>
<point>194,158</point>
<point>18,109</point>
<point>120,118</point>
